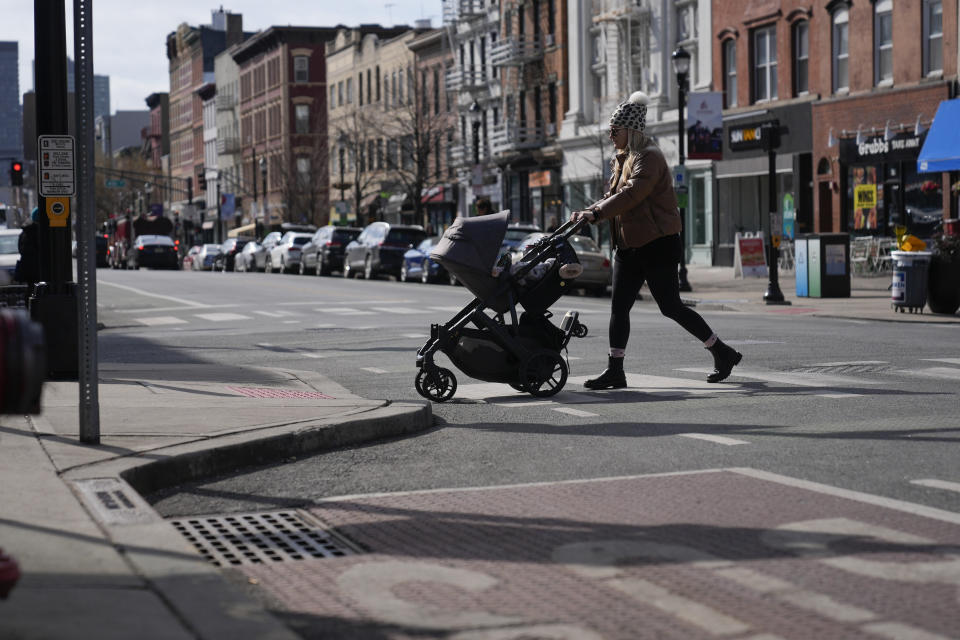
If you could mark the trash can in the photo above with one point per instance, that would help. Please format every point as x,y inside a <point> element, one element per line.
<point>909,288</point>
<point>801,270</point>
<point>827,258</point>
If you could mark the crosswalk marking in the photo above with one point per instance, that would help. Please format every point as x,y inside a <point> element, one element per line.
<point>221,317</point>
<point>839,395</point>
<point>270,314</point>
<point>372,370</point>
<point>415,335</point>
<point>937,484</point>
<point>852,363</point>
<point>712,438</point>
<point>399,310</point>
<point>345,311</point>
<point>576,412</point>
<point>947,373</point>
<point>946,360</point>
<point>662,385</point>
<point>798,379</point>
<point>157,321</point>
<point>291,322</point>
<point>451,309</point>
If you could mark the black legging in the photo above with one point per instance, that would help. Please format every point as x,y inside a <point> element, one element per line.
<point>656,263</point>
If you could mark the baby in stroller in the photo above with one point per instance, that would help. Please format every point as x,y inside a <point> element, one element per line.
<point>488,339</point>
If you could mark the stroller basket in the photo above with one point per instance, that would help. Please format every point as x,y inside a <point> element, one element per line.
<point>522,350</point>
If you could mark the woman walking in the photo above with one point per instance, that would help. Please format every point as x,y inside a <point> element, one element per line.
<point>645,225</point>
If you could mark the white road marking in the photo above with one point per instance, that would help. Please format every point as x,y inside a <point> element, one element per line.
<point>575,412</point>
<point>662,385</point>
<point>372,370</point>
<point>302,302</point>
<point>937,484</point>
<point>178,308</point>
<point>947,360</point>
<point>898,631</point>
<point>839,396</point>
<point>712,438</point>
<point>798,379</point>
<point>415,335</point>
<point>945,373</point>
<point>221,317</point>
<point>452,309</point>
<point>156,321</point>
<point>852,363</point>
<point>521,402</point>
<point>324,326</point>
<point>311,354</point>
<point>345,311</point>
<point>748,342</point>
<point>270,314</point>
<point>399,310</point>
<point>188,303</point>
<point>265,345</point>
<point>291,322</point>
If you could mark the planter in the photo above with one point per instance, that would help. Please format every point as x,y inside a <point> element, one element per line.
<point>944,286</point>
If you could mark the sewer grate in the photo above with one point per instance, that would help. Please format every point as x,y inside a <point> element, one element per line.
<point>845,368</point>
<point>258,538</point>
<point>267,392</point>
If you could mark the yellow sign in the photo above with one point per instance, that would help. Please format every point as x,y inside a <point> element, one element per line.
<point>865,196</point>
<point>58,210</point>
<point>775,240</point>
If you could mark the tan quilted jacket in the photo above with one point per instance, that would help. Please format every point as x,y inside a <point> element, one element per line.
<point>641,206</point>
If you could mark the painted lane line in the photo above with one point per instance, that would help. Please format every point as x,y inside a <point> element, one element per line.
<point>898,631</point>
<point>798,379</point>
<point>345,311</point>
<point>341,302</point>
<point>178,308</point>
<point>373,370</point>
<point>451,309</point>
<point>576,412</point>
<point>291,322</point>
<point>712,438</point>
<point>946,360</point>
<point>415,335</point>
<point>269,314</point>
<point>662,385</point>
<point>188,303</point>
<point>838,396</point>
<point>311,354</point>
<point>399,310</point>
<point>324,326</point>
<point>160,320</point>
<point>937,484</point>
<point>221,317</point>
<point>520,402</point>
<point>749,342</point>
<point>852,363</point>
<point>944,373</point>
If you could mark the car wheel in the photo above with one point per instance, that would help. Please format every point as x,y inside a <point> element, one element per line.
<point>368,273</point>
<point>267,265</point>
<point>404,276</point>
<point>346,269</point>
<point>302,269</point>
<point>322,269</point>
<point>425,275</point>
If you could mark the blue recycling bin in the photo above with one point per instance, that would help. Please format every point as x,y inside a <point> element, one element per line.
<point>822,265</point>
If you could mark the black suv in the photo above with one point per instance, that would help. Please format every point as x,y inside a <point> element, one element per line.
<point>379,249</point>
<point>226,260</point>
<point>324,253</point>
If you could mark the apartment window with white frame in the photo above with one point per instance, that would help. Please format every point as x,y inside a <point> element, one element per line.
<point>349,90</point>
<point>883,42</point>
<point>333,96</point>
<point>730,73</point>
<point>302,117</point>
<point>765,64</point>
<point>932,36</point>
<point>801,58</point>
<point>840,50</point>
<point>301,69</point>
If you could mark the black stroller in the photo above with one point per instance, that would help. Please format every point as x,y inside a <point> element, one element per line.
<point>487,339</point>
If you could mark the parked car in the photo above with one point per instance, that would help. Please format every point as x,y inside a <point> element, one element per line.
<point>596,266</point>
<point>516,232</point>
<point>417,264</point>
<point>156,252</point>
<point>324,253</point>
<point>251,258</point>
<point>285,255</point>
<point>379,249</point>
<point>231,247</point>
<point>205,258</point>
<point>190,257</point>
<point>9,253</point>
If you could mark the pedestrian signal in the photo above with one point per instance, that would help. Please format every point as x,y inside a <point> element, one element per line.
<point>16,173</point>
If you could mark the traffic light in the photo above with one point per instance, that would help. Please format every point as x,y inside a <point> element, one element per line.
<point>16,173</point>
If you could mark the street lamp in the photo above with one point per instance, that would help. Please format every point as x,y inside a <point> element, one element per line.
<point>681,65</point>
<point>475,115</point>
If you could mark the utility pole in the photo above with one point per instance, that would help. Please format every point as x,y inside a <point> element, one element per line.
<point>770,138</point>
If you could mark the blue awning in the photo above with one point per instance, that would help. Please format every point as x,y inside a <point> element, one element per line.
<point>941,150</point>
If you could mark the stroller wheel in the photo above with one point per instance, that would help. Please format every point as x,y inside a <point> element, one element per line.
<point>438,384</point>
<point>543,374</point>
<point>580,331</point>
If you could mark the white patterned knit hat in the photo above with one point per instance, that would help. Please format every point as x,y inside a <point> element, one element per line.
<point>631,114</point>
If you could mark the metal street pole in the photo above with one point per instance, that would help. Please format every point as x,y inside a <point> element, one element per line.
<point>770,137</point>
<point>219,214</point>
<point>681,61</point>
<point>263,176</point>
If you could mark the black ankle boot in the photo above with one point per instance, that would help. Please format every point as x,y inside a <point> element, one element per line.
<point>725,358</point>
<point>611,378</point>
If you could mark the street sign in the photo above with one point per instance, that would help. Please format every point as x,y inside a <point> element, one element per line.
<point>57,171</point>
<point>116,184</point>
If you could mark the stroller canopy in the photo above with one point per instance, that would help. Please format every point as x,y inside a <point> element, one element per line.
<point>471,244</point>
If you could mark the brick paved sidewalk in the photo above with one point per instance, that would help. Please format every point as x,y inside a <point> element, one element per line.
<point>731,553</point>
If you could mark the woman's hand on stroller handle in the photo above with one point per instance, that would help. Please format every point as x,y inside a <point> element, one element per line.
<point>586,214</point>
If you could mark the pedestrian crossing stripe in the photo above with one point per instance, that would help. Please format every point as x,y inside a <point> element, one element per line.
<point>935,372</point>
<point>709,437</point>
<point>221,317</point>
<point>401,310</point>
<point>345,311</point>
<point>157,321</point>
<point>798,379</point>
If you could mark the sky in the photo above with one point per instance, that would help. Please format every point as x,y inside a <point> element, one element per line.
<point>129,36</point>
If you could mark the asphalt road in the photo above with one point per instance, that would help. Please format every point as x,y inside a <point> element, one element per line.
<point>866,406</point>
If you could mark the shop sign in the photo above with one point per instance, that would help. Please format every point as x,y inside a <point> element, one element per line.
<point>865,196</point>
<point>746,137</point>
<point>539,179</point>
<point>903,146</point>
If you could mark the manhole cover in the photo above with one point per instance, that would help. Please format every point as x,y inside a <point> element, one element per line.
<point>267,392</point>
<point>257,538</point>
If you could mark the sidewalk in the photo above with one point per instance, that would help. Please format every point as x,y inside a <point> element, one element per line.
<point>96,560</point>
<point>715,288</point>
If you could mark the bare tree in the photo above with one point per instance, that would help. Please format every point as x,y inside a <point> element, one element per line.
<point>353,144</point>
<point>304,171</point>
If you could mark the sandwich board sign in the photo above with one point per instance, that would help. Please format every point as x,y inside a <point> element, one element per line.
<point>57,170</point>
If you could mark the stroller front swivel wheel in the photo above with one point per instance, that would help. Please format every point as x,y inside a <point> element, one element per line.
<point>543,374</point>
<point>580,331</point>
<point>437,384</point>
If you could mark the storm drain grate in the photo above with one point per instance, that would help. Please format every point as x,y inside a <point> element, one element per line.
<point>267,392</point>
<point>258,538</point>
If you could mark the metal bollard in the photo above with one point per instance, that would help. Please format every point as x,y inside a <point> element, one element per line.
<point>23,363</point>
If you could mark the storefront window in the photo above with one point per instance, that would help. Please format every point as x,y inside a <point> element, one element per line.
<point>698,210</point>
<point>922,200</point>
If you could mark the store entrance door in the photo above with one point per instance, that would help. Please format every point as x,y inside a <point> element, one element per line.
<point>892,207</point>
